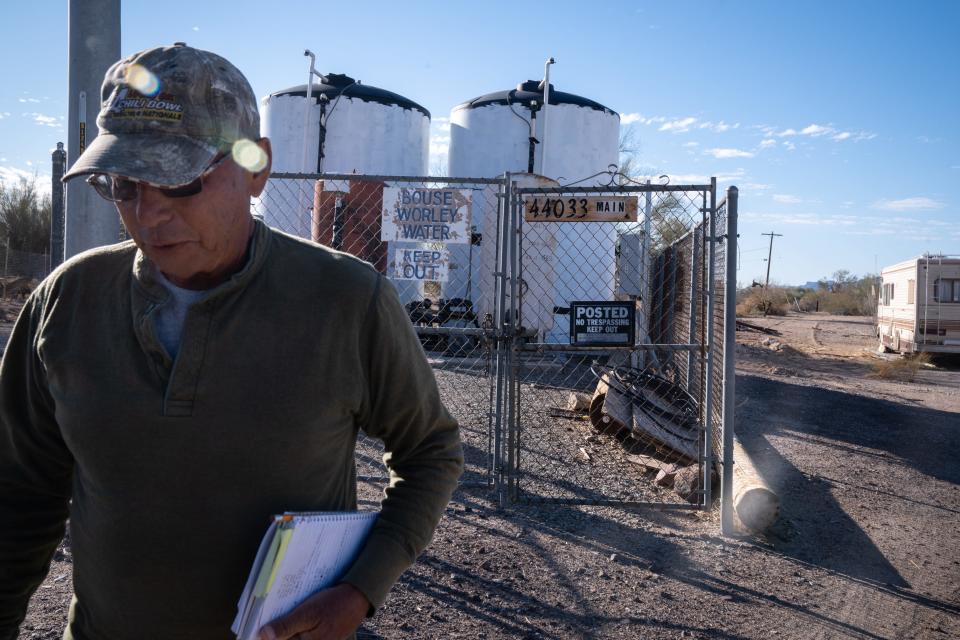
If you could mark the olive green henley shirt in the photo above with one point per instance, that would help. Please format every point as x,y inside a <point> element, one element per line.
<point>170,470</point>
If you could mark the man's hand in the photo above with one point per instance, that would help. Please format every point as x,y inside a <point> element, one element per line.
<point>331,614</point>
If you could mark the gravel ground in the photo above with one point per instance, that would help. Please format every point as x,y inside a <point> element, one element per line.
<point>867,545</point>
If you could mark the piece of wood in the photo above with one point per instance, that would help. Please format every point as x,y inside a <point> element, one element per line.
<point>596,403</point>
<point>666,476</point>
<point>649,464</point>
<point>609,415</point>
<point>756,505</point>
<point>579,402</point>
<point>559,412</point>
<point>743,325</point>
<point>580,209</point>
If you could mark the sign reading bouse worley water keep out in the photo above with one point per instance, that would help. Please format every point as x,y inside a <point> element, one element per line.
<point>602,323</point>
<point>426,215</point>
<point>427,262</point>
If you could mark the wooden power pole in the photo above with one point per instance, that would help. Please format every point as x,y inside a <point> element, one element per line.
<point>769,255</point>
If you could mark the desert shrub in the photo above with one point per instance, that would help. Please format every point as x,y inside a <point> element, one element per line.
<point>903,369</point>
<point>757,301</point>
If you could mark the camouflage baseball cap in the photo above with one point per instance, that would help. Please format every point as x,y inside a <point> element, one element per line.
<point>166,113</point>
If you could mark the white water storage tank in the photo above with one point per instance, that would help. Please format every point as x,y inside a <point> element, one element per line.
<point>363,130</point>
<point>490,135</point>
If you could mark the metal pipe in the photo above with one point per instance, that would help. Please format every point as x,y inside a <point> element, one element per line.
<point>307,105</point>
<point>59,162</point>
<point>513,388</point>
<point>503,215</point>
<point>711,288</point>
<point>640,188</point>
<point>382,178</point>
<point>545,85</point>
<point>554,346</point>
<point>532,141</point>
<point>694,300</point>
<point>729,366</point>
<point>517,191</point>
<point>643,318</point>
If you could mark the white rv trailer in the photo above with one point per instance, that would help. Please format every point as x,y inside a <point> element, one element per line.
<point>918,309</point>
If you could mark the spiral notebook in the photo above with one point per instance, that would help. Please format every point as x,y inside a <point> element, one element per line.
<point>300,554</point>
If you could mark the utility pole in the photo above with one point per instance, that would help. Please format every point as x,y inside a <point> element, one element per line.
<point>93,41</point>
<point>770,255</point>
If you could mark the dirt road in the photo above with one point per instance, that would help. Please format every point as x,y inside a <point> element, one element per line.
<point>867,546</point>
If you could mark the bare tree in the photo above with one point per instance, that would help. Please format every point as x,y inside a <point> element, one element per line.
<point>25,217</point>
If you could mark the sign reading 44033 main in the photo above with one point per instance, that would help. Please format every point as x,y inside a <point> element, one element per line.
<point>580,209</point>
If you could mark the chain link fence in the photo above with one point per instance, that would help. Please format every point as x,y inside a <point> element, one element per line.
<point>435,239</point>
<point>576,332</point>
<point>19,268</point>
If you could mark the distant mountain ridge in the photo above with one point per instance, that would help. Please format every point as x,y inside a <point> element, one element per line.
<point>815,284</point>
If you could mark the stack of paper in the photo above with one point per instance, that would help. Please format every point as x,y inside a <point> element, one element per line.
<point>300,554</point>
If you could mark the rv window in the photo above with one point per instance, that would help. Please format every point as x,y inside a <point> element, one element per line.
<point>887,294</point>
<point>946,290</point>
<point>911,288</point>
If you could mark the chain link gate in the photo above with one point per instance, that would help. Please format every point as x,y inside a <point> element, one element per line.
<point>654,403</point>
<point>437,240</point>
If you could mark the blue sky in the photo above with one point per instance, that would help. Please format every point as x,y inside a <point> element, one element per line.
<point>839,121</point>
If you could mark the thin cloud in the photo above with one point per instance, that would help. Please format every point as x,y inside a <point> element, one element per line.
<point>690,145</point>
<point>767,143</point>
<point>32,100</point>
<point>784,198</point>
<point>804,219</point>
<point>681,125</point>
<point>44,120</point>
<point>718,127</point>
<point>678,125</point>
<point>789,145</point>
<point>693,178</point>
<point>630,118</point>
<point>13,175</point>
<point>722,153</point>
<point>920,203</point>
<point>817,130</point>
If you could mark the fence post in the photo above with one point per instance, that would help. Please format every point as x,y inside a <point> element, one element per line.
<point>499,326</point>
<point>694,299</point>
<point>57,211</point>
<point>729,365</point>
<point>711,288</point>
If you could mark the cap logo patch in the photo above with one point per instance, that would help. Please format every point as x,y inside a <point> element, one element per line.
<point>129,103</point>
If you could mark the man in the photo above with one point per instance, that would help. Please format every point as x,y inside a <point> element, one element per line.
<point>169,394</point>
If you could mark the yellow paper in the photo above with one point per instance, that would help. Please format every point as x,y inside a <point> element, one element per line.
<point>284,535</point>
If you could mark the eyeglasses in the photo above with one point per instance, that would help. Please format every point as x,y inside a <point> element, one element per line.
<point>120,189</point>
